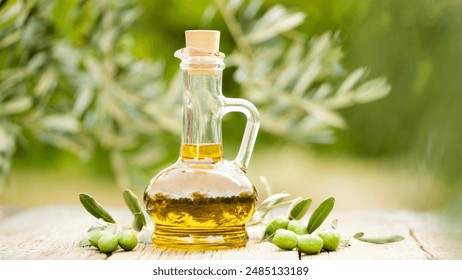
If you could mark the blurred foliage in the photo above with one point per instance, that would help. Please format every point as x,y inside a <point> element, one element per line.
<point>70,80</point>
<point>295,80</point>
<point>416,44</point>
<point>72,77</point>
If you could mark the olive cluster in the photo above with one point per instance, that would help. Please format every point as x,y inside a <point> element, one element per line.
<point>289,234</point>
<point>107,241</point>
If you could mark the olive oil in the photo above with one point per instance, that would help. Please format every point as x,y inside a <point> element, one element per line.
<point>193,203</point>
<point>214,152</point>
<point>201,222</point>
<point>203,201</point>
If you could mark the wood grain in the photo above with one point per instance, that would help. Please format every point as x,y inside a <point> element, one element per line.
<point>53,232</point>
<point>255,249</point>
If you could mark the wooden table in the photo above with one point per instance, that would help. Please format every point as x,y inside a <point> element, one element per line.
<point>53,232</point>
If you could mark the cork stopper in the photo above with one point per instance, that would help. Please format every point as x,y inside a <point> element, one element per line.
<point>203,39</point>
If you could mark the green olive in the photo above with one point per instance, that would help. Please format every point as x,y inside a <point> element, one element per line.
<point>297,226</point>
<point>95,236</point>
<point>330,238</point>
<point>108,243</point>
<point>285,239</point>
<point>309,244</point>
<point>127,240</point>
<point>278,222</point>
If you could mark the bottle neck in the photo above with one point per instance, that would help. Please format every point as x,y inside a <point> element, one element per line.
<point>202,115</point>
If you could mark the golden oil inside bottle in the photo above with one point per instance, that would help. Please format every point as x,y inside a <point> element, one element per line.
<point>212,152</point>
<point>201,206</point>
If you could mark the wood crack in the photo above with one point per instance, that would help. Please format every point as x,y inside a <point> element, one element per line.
<point>427,254</point>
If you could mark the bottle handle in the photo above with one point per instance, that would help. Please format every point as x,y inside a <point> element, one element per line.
<point>251,128</point>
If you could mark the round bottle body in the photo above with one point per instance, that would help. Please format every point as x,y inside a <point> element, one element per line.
<point>198,206</point>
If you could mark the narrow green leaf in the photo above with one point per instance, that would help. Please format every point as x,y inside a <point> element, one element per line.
<point>131,201</point>
<point>273,200</point>
<point>384,239</point>
<point>139,221</point>
<point>17,105</point>
<point>61,123</point>
<point>299,209</point>
<point>134,206</point>
<point>351,81</point>
<point>320,214</point>
<point>94,208</point>
<point>292,204</point>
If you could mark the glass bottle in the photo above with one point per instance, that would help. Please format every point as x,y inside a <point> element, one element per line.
<point>203,201</point>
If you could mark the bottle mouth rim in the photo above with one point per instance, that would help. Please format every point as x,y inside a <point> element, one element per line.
<point>200,61</point>
<point>195,53</point>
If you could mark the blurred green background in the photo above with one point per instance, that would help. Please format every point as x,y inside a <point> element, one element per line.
<point>89,97</point>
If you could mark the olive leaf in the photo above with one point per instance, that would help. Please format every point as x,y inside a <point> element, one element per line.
<point>299,209</point>
<point>94,208</point>
<point>268,204</point>
<point>139,221</point>
<point>384,239</point>
<point>320,214</point>
<point>272,200</point>
<point>131,201</point>
<point>134,206</point>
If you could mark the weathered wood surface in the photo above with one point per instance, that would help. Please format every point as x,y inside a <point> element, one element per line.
<point>53,232</point>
